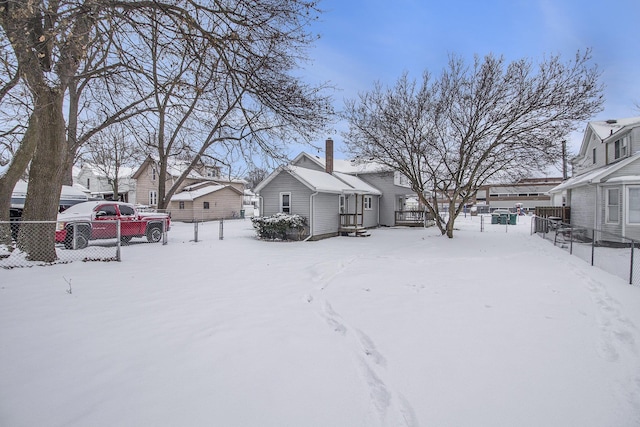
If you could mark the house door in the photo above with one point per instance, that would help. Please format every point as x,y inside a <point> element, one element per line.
<point>400,206</point>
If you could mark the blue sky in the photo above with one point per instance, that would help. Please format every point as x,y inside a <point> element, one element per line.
<point>362,41</point>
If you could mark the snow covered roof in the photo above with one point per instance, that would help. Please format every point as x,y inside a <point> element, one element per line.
<point>358,185</point>
<point>594,176</point>
<point>197,191</point>
<point>605,128</point>
<point>346,166</point>
<point>67,192</point>
<point>321,181</point>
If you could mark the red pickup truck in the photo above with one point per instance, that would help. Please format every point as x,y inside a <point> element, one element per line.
<point>97,220</point>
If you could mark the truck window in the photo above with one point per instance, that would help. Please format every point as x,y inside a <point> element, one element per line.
<point>126,210</point>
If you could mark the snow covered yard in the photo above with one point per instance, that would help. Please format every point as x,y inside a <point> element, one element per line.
<point>402,328</point>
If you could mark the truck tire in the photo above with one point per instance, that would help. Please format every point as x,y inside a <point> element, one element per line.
<point>125,239</point>
<point>82,240</point>
<point>154,234</point>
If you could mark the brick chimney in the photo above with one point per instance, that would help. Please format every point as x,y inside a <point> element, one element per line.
<point>329,155</point>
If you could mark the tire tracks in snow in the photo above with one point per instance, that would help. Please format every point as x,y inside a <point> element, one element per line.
<point>390,407</point>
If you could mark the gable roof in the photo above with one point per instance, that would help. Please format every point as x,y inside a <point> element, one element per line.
<point>344,166</point>
<point>606,129</point>
<point>196,191</point>
<point>175,168</point>
<point>595,176</point>
<point>323,182</point>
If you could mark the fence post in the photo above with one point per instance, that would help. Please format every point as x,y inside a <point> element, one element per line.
<point>633,245</point>
<point>593,246</point>
<point>195,230</point>
<point>74,242</point>
<point>221,232</point>
<point>164,233</point>
<point>570,239</point>
<point>118,239</point>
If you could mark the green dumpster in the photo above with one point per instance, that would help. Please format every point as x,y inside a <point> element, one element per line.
<point>495,218</point>
<point>242,213</point>
<point>513,219</point>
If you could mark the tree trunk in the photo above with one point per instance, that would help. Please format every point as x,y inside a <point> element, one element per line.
<point>45,178</point>
<point>8,181</point>
<point>452,218</point>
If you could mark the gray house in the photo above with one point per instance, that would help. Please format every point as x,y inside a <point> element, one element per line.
<point>337,196</point>
<point>604,191</point>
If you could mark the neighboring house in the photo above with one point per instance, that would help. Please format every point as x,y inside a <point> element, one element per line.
<point>335,196</point>
<point>206,201</point>
<point>99,186</point>
<point>604,191</point>
<point>203,195</point>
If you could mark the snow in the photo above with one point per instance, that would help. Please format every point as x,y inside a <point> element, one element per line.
<point>402,328</point>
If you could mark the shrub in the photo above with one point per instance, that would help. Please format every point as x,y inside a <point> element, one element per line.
<point>279,226</point>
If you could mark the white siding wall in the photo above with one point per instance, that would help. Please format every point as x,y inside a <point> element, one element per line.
<point>583,201</point>
<point>284,182</point>
<point>326,215</point>
<point>383,181</point>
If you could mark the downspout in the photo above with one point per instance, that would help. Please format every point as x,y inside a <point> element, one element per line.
<point>311,216</point>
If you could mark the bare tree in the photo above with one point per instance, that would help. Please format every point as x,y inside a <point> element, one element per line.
<point>489,121</point>
<point>109,151</point>
<point>50,40</point>
<point>230,95</point>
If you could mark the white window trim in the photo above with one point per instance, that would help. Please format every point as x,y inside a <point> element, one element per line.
<point>281,200</point>
<point>342,204</point>
<point>628,205</point>
<point>153,197</point>
<point>370,200</point>
<point>607,205</point>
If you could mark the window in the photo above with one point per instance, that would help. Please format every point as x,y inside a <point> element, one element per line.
<point>153,173</point>
<point>285,202</point>
<point>633,205</point>
<point>126,210</point>
<point>341,204</point>
<point>205,205</point>
<point>153,197</point>
<point>620,148</point>
<point>180,205</point>
<point>88,183</point>
<point>594,156</point>
<point>368,203</point>
<point>613,205</point>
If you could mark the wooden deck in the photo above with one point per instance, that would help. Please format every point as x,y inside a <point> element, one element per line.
<point>352,225</point>
<point>411,218</point>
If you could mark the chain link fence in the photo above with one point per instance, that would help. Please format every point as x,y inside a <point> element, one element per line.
<point>31,243</point>
<point>610,252</point>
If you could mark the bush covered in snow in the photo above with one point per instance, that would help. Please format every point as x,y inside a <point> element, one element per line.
<point>280,226</point>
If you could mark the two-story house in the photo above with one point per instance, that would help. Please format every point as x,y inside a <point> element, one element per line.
<point>604,191</point>
<point>101,186</point>
<point>203,195</point>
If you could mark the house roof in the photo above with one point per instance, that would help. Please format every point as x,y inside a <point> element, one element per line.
<point>345,166</point>
<point>594,176</point>
<point>605,128</point>
<point>175,168</point>
<point>196,191</point>
<point>323,182</point>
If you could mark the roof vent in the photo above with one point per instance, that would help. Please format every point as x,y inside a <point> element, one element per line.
<point>612,121</point>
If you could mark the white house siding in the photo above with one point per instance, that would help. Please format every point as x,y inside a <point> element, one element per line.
<point>284,182</point>
<point>384,182</point>
<point>326,218</point>
<point>615,228</point>
<point>224,203</point>
<point>583,205</point>
<point>370,218</point>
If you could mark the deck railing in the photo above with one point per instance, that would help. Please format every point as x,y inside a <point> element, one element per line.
<point>351,220</point>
